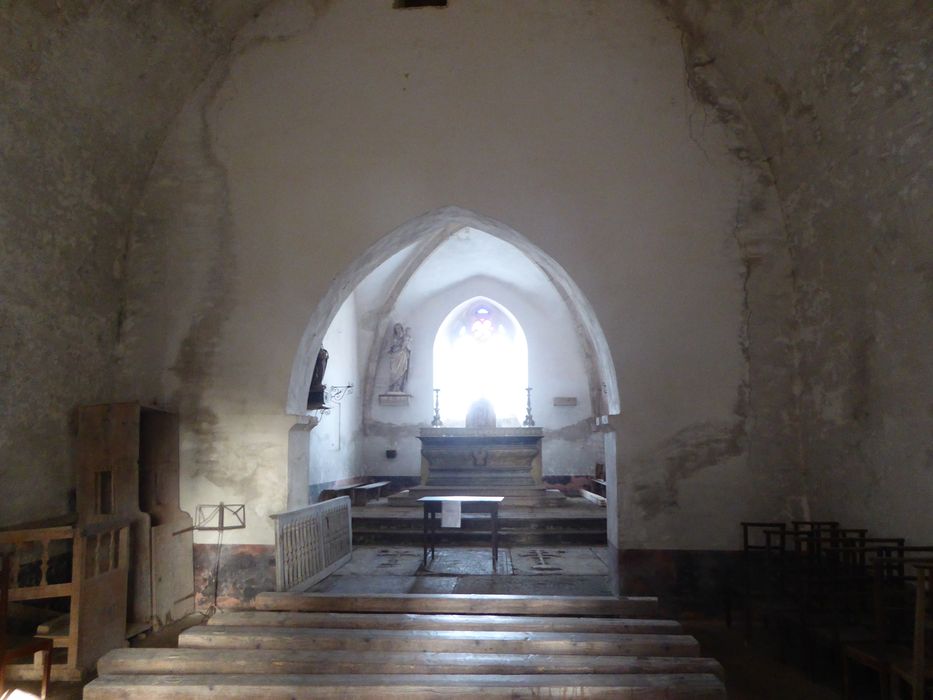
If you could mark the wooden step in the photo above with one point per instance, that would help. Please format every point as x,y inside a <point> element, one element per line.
<point>457,603</point>
<point>208,637</point>
<point>697,686</point>
<point>261,661</point>
<point>400,621</point>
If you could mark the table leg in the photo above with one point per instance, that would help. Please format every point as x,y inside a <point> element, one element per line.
<point>424,537</point>
<point>495,537</point>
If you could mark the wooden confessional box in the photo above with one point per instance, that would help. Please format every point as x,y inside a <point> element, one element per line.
<point>128,467</point>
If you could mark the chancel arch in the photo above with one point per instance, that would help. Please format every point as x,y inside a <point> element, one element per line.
<point>440,292</point>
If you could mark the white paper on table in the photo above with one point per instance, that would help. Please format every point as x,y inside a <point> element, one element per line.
<point>450,514</point>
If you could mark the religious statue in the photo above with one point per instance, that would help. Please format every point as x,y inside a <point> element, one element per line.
<point>316,392</point>
<point>399,358</point>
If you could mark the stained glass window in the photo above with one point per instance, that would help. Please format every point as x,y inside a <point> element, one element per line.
<point>480,351</point>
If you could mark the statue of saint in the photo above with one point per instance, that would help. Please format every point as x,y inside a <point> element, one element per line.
<point>399,358</point>
<point>316,392</point>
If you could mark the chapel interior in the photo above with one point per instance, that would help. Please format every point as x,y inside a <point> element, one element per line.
<point>466,348</point>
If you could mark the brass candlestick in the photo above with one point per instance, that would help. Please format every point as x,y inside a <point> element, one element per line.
<point>436,422</point>
<point>529,421</point>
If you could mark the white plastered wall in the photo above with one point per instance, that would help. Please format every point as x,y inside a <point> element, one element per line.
<point>570,122</point>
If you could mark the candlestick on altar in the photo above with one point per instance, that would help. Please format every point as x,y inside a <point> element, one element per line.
<point>529,421</point>
<point>436,422</point>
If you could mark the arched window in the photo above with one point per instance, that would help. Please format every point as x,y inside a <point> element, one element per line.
<point>480,352</point>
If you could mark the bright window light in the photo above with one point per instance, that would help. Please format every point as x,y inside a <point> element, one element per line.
<point>16,694</point>
<point>480,352</point>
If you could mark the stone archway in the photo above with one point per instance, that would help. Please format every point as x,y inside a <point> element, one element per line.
<point>424,234</point>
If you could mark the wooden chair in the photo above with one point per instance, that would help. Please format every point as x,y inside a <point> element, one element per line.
<point>918,668</point>
<point>760,576</point>
<point>14,647</point>
<point>894,600</point>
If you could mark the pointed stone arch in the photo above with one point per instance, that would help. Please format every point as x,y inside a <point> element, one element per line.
<point>424,234</point>
<point>427,232</point>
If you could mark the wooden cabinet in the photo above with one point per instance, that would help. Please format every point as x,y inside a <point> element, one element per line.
<point>127,467</point>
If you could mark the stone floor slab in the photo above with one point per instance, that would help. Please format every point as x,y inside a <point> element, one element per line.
<point>466,561</point>
<point>383,561</point>
<point>534,585</point>
<point>556,561</point>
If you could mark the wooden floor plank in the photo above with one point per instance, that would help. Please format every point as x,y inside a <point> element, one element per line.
<point>454,603</point>
<point>205,636</point>
<point>407,621</point>
<point>260,661</point>
<point>332,687</point>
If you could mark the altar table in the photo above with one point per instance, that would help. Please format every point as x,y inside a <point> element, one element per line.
<point>473,504</point>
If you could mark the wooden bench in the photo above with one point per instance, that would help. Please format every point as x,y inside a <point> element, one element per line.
<point>362,494</point>
<point>694,686</point>
<point>546,647</point>
<point>425,656</point>
<point>466,623</point>
<point>299,661</point>
<point>483,642</point>
<point>337,491</point>
<point>460,603</point>
<point>599,486</point>
<point>87,566</point>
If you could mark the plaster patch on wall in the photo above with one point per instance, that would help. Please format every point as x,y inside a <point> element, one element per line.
<point>198,349</point>
<point>683,455</point>
<point>581,430</point>
<point>840,118</point>
<point>393,430</point>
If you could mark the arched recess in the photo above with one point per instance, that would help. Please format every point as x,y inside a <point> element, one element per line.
<point>427,232</point>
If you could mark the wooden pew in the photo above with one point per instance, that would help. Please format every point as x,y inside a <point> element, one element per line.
<point>207,637</point>
<point>337,491</point>
<point>560,647</point>
<point>362,494</point>
<point>291,661</point>
<point>694,686</point>
<point>402,621</point>
<point>457,603</point>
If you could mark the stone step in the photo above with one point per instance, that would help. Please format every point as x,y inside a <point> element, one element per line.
<point>466,481</point>
<point>461,603</point>
<point>479,642</point>
<point>275,661</point>
<point>515,496</point>
<point>526,538</point>
<point>387,621</point>
<point>481,523</point>
<point>693,686</point>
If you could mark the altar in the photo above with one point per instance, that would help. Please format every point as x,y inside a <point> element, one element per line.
<point>481,462</point>
<point>469,457</point>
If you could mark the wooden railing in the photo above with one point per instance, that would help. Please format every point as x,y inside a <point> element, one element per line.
<point>89,566</point>
<point>311,543</point>
<point>32,549</point>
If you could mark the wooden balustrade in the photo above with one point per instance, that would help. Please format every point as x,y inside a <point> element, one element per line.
<point>311,543</point>
<point>86,565</point>
<point>30,549</point>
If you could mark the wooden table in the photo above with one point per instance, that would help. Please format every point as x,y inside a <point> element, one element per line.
<point>474,504</point>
